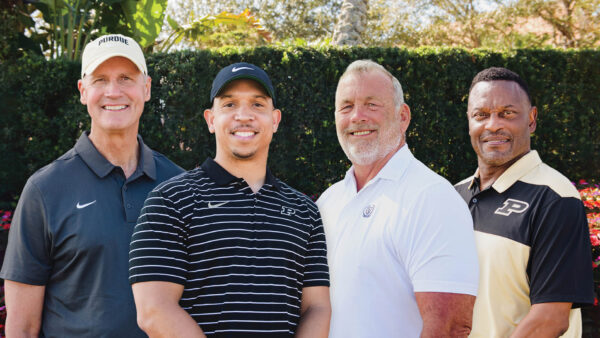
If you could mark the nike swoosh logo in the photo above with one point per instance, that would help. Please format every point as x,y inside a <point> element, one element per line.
<point>81,206</point>
<point>235,69</point>
<point>216,205</point>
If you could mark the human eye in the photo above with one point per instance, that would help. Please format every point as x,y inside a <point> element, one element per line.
<point>345,108</point>
<point>97,82</point>
<point>509,113</point>
<point>479,115</point>
<point>126,80</point>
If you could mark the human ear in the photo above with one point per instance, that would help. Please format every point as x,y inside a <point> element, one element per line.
<point>81,89</point>
<point>532,119</point>
<point>276,119</point>
<point>210,118</point>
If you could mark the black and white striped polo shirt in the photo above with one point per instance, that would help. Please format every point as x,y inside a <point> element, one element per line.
<point>242,257</point>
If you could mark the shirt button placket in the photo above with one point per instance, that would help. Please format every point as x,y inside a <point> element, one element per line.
<point>255,218</point>
<point>126,204</point>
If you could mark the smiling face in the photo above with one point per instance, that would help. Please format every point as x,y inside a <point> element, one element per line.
<point>115,94</point>
<point>369,127</point>
<point>501,120</point>
<point>243,120</point>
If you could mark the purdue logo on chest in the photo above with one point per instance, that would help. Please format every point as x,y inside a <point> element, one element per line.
<point>512,205</point>
<point>287,211</point>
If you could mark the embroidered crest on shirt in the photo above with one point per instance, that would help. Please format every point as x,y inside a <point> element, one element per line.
<point>287,211</point>
<point>368,210</point>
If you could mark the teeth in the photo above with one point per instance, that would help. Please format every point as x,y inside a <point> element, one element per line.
<point>244,133</point>
<point>114,107</point>
<point>360,133</point>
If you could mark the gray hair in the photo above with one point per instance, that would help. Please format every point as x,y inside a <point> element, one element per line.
<point>366,66</point>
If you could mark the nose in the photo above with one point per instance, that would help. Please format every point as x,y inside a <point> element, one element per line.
<point>494,123</point>
<point>112,89</point>
<point>358,114</point>
<point>244,114</point>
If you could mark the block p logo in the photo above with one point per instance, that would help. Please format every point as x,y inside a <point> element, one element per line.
<point>510,206</point>
<point>287,211</point>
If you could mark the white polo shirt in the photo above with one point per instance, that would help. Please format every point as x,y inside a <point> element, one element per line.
<point>407,230</point>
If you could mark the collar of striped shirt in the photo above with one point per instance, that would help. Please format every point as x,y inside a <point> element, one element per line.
<point>223,177</point>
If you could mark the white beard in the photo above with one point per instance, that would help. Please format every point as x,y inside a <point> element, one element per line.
<point>365,153</point>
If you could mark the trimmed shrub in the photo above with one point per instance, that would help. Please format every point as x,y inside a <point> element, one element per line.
<point>42,117</point>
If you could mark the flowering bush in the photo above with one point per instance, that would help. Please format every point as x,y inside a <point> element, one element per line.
<point>590,196</point>
<point>5,220</point>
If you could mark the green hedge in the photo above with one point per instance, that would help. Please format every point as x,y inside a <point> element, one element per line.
<point>42,117</point>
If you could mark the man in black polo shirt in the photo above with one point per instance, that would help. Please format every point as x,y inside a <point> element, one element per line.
<point>66,263</point>
<point>228,250</point>
<point>530,226</point>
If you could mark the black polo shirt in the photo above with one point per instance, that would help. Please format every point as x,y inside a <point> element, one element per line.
<point>71,232</point>
<point>533,244</point>
<point>242,257</point>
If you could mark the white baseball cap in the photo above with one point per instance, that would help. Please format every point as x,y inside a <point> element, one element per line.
<point>108,46</point>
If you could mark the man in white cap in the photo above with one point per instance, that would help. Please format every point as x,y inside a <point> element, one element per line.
<point>66,264</point>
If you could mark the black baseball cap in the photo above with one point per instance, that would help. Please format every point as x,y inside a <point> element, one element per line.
<point>241,70</point>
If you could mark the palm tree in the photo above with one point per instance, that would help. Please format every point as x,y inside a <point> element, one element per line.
<point>351,23</point>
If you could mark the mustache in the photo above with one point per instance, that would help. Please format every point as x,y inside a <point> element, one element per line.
<point>244,127</point>
<point>487,134</point>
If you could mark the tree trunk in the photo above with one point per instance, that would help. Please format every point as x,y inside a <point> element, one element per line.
<point>351,23</point>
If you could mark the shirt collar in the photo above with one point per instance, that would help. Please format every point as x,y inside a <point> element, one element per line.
<point>393,170</point>
<point>223,177</point>
<point>102,167</point>
<point>146,159</point>
<point>516,171</point>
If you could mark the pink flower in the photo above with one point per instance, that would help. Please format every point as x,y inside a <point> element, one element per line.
<point>594,239</point>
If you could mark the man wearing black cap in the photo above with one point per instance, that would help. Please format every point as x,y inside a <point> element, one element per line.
<point>227,249</point>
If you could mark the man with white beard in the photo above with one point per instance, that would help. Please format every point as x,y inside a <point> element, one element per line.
<point>400,240</point>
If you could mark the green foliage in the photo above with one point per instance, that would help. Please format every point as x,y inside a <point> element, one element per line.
<point>14,19</point>
<point>575,23</point>
<point>497,24</point>
<point>225,29</point>
<point>42,116</point>
<point>63,27</point>
<point>287,20</point>
<point>144,19</point>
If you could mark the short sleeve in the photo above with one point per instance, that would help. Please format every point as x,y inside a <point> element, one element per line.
<point>28,254</point>
<point>441,255</point>
<point>316,271</point>
<point>560,265</point>
<point>158,250</point>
